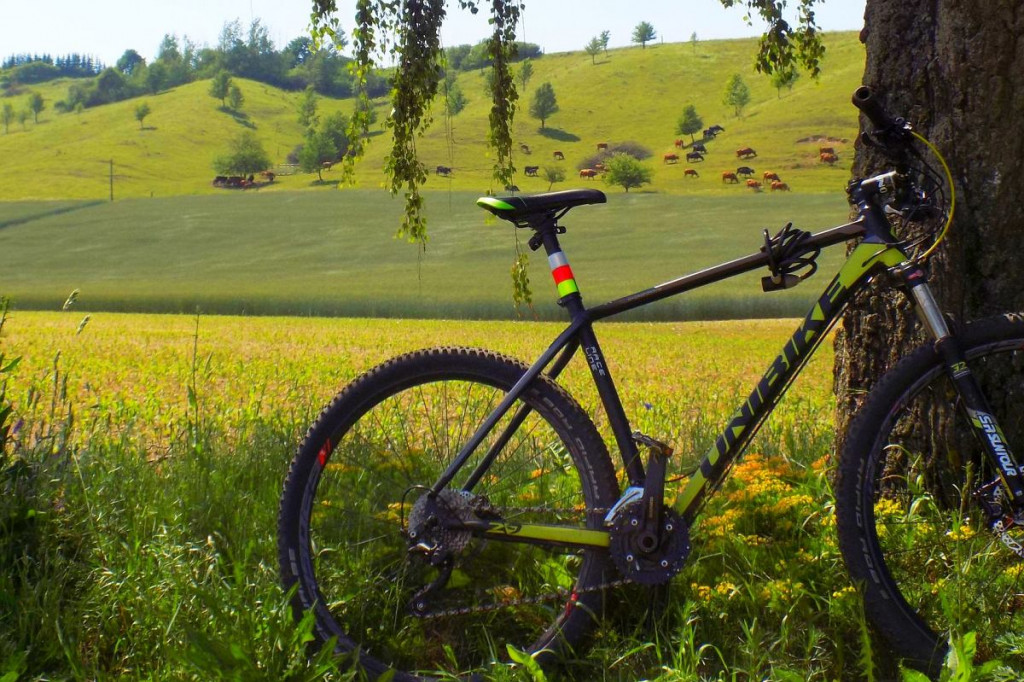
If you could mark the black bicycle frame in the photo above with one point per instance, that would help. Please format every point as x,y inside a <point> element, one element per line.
<point>874,253</point>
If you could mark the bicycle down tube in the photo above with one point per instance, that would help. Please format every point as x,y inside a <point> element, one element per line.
<point>869,256</point>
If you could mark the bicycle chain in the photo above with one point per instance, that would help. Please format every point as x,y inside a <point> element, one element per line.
<point>560,594</point>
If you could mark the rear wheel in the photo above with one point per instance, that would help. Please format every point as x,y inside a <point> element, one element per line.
<point>911,528</point>
<point>445,600</point>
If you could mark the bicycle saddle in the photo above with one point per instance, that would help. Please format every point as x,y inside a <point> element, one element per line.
<point>525,210</point>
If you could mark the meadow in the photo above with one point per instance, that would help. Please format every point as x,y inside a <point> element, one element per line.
<point>306,253</point>
<point>140,484</point>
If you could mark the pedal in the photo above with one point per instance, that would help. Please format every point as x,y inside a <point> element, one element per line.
<point>653,444</point>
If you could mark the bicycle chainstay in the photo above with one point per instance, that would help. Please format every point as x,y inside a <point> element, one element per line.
<point>559,595</point>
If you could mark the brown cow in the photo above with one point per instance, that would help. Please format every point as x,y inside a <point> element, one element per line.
<point>826,150</point>
<point>690,172</point>
<point>559,156</point>
<point>830,159</point>
<point>601,146</point>
<point>729,176</point>
<point>754,185</point>
<point>524,148</point>
<point>588,173</point>
<point>745,153</point>
<point>326,165</point>
<point>680,144</point>
<point>671,158</point>
<point>769,176</point>
<point>600,167</point>
<point>780,186</point>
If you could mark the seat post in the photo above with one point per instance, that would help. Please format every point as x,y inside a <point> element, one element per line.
<point>568,291</point>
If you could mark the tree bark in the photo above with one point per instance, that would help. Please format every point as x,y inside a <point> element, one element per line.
<point>955,70</point>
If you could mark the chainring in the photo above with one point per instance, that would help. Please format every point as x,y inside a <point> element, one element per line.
<point>648,568</point>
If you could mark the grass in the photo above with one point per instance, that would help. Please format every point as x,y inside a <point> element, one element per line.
<point>629,95</point>
<point>333,253</point>
<point>140,489</point>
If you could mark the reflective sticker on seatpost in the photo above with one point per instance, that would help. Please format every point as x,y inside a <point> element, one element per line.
<point>562,273</point>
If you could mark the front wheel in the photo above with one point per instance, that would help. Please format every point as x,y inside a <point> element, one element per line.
<point>390,572</point>
<point>911,529</point>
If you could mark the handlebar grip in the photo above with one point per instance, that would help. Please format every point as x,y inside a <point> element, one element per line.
<point>866,100</point>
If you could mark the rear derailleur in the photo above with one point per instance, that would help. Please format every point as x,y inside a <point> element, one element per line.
<point>649,542</point>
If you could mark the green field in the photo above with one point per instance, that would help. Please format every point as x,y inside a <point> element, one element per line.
<point>138,496</point>
<point>631,94</point>
<point>333,253</point>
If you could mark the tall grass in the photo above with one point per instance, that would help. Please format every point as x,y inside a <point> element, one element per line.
<point>139,487</point>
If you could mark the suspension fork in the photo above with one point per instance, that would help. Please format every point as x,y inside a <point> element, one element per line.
<point>984,423</point>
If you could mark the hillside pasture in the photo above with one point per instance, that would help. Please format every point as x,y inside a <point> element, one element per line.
<point>629,95</point>
<point>333,253</point>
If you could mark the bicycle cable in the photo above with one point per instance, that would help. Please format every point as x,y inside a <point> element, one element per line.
<point>952,194</point>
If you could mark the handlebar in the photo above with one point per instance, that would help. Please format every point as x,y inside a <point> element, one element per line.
<point>865,99</point>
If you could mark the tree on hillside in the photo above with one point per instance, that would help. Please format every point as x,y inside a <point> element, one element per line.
<point>544,103</point>
<point>524,74</point>
<point>235,97</point>
<point>737,94</point>
<point>23,116</point>
<point>36,104</point>
<point>690,122</point>
<point>317,149</point>
<point>307,107</point>
<point>141,112</point>
<point>245,156</point>
<point>220,86</point>
<point>606,36</point>
<point>593,48</point>
<point>156,77</point>
<point>454,99</point>
<point>693,40</point>
<point>644,33</point>
<point>129,62</point>
<point>6,116</point>
<point>784,79</point>
<point>553,174</point>
<point>626,171</point>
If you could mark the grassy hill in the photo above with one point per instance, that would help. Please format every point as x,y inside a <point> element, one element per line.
<point>631,94</point>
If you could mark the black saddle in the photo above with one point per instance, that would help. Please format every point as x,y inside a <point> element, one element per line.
<point>536,209</point>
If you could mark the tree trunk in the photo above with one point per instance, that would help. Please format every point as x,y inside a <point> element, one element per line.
<point>956,71</point>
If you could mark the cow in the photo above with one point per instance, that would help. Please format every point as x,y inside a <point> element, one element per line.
<point>600,167</point>
<point>680,144</point>
<point>671,158</point>
<point>443,170</point>
<point>694,156</point>
<point>830,159</point>
<point>745,171</point>
<point>826,150</point>
<point>588,173</point>
<point>770,176</point>
<point>745,153</point>
<point>691,172</point>
<point>715,129</point>
<point>602,146</point>
<point>511,188</point>
<point>709,134</point>
<point>524,148</point>
<point>780,186</point>
<point>531,171</point>
<point>729,176</point>
<point>326,165</point>
<point>220,181</point>
<point>269,175</point>
<point>754,185</point>
<point>698,147</point>
<point>559,156</point>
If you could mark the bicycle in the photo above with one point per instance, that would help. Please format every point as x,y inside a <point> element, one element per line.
<point>452,501</point>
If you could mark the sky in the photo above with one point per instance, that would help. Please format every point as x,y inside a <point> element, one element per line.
<point>106,28</point>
